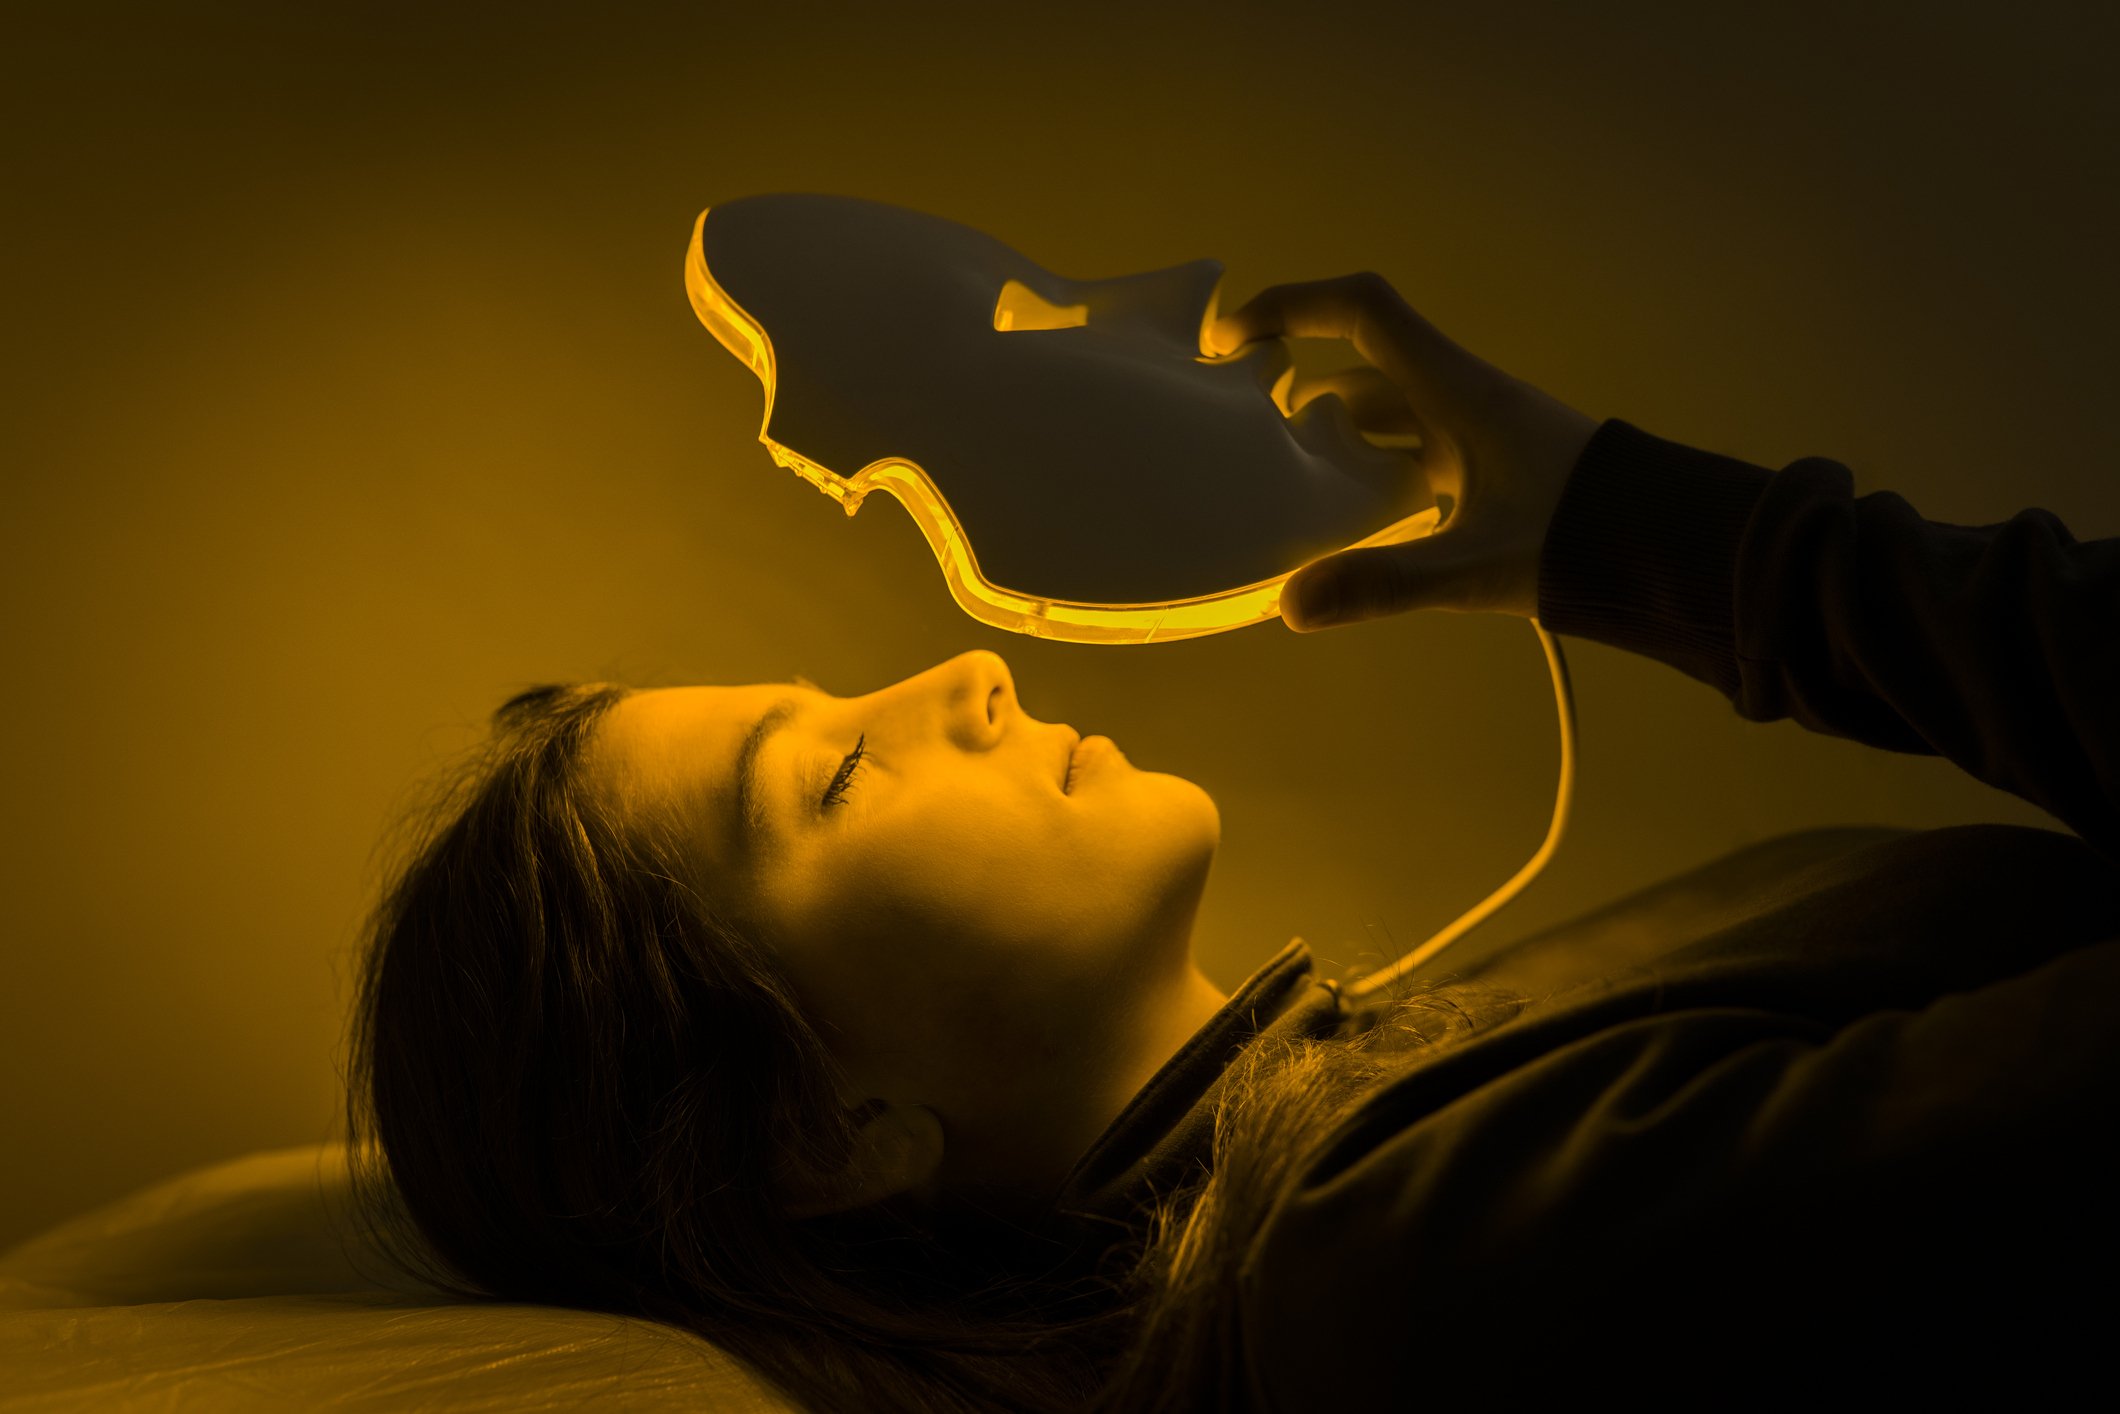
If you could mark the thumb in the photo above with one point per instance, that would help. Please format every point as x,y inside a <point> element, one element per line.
<point>1368,583</point>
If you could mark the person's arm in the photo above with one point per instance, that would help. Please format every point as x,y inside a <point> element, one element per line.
<point>1996,646</point>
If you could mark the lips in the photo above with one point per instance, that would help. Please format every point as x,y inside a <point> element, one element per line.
<point>1067,757</point>
<point>1089,756</point>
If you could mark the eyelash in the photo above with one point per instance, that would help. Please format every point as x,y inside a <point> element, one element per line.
<point>836,792</point>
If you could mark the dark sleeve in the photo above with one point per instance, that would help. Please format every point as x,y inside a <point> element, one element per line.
<point>1995,646</point>
<point>1735,1180</point>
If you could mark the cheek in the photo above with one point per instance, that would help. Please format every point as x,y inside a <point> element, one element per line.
<point>925,885</point>
<point>972,888</point>
<point>975,886</point>
<point>964,867</point>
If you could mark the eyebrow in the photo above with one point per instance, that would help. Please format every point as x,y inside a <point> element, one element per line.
<point>750,798</point>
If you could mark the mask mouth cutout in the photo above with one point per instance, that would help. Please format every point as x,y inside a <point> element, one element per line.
<point>836,224</point>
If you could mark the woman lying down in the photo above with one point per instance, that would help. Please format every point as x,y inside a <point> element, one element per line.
<point>863,1037</point>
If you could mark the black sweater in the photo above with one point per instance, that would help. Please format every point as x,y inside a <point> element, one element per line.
<point>1832,1116</point>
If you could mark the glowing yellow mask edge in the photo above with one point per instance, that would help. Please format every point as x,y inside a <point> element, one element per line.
<point>911,486</point>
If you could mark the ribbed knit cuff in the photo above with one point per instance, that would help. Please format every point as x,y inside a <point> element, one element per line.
<point>1642,551</point>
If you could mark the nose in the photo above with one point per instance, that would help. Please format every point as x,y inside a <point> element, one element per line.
<point>979,695</point>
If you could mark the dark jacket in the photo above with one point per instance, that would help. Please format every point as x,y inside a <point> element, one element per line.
<point>1831,1117</point>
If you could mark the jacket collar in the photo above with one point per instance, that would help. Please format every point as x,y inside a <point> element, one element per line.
<point>1165,1135</point>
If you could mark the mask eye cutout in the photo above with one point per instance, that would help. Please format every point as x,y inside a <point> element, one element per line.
<point>1020,308</point>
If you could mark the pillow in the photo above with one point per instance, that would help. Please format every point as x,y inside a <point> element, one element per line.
<point>267,1224</point>
<point>239,1286</point>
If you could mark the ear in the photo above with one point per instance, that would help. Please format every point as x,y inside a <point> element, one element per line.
<point>899,1150</point>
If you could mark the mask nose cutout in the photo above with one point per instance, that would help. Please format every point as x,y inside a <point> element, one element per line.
<point>1271,364</point>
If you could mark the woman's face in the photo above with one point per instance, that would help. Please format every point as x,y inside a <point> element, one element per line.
<point>941,889</point>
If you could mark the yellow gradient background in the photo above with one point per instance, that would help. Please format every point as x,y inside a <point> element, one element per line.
<point>352,386</point>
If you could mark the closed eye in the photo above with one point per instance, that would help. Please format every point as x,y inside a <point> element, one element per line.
<point>835,793</point>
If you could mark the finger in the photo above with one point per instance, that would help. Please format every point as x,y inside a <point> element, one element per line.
<point>1374,401</point>
<point>1370,583</point>
<point>1362,308</point>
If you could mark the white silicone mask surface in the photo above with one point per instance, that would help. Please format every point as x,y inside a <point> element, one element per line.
<point>1089,452</point>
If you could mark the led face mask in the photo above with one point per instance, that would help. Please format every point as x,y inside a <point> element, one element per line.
<point>1082,469</point>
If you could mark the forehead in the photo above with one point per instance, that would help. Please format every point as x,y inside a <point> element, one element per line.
<point>669,755</point>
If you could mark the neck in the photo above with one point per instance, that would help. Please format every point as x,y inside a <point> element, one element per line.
<point>1052,1121</point>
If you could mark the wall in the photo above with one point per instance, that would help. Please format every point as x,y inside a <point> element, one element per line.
<point>354,387</point>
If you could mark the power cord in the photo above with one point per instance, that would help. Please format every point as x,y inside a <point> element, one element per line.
<point>1564,700</point>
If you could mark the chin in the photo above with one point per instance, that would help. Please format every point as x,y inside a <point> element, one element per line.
<point>1189,812</point>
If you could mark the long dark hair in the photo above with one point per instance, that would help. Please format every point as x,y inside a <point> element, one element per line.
<point>574,1083</point>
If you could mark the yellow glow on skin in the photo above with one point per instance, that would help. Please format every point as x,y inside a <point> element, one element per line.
<point>1061,619</point>
<point>968,936</point>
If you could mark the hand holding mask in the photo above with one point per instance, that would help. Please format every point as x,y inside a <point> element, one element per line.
<point>1495,454</point>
